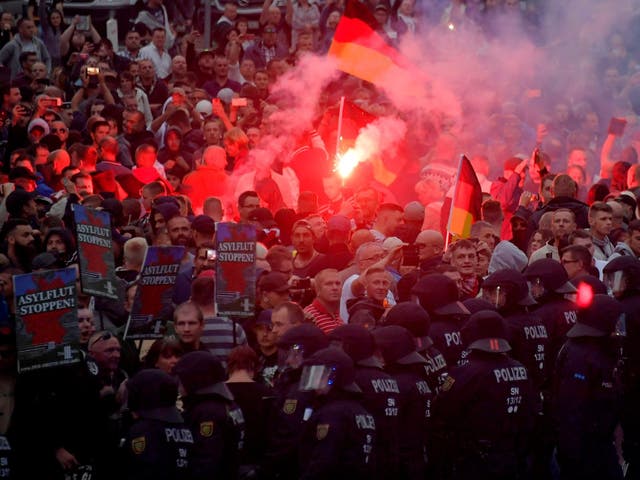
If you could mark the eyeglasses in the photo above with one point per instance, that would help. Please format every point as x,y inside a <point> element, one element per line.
<point>565,261</point>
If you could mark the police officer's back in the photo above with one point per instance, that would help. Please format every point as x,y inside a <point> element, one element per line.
<point>380,394</point>
<point>622,276</point>
<point>438,295</point>
<point>549,283</point>
<point>406,366</point>
<point>158,443</point>
<point>587,396</point>
<point>339,436</point>
<point>416,320</point>
<point>290,404</point>
<point>508,290</point>
<point>485,411</point>
<point>215,420</point>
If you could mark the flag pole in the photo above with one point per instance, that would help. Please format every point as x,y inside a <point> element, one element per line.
<point>339,133</point>
<point>455,193</point>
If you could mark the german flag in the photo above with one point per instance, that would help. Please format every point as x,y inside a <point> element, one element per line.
<point>360,50</point>
<point>466,202</point>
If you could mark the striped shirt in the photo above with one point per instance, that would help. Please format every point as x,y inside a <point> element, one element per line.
<point>322,318</point>
<point>218,336</point>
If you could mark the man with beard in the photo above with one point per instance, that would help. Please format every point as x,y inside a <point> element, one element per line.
<point>20,242</point>
<point>179,230</point>
<point>563,223</point>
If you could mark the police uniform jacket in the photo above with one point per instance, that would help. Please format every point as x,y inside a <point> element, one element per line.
<point>485,414</point>
<point>414,412</point>
<point>587,408</point>
<point>558,315</point>
<point>631,380</point>
<point>530,345</point>
<point>338,439</point>
<point>445,333</point>
<point>217,426</point>
<point>285,427</point>
<point>381,398</point>
<point>157,450</point>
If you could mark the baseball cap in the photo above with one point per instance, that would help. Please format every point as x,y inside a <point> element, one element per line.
<point>274,282</point>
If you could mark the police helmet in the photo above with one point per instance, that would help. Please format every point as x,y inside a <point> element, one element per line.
<point>512,283</point>
<point>603,317</point>
<point>475,305</point>
<point>414,318</point>
<point>152,394</point>
<point>593,282</point>
<point>486,331</point>
<point>550,274</point>
<point>329,368</point>
<point>397,345</point>
<point>201,372</point>
<point>357,342</point>
<point>438,295</point>
<point>622,274</point>
<point>308,337</point>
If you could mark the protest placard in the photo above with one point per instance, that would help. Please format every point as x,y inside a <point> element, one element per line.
<point>152,303</point>
<point>47,332</point>
<point>235,269</point>
<point>95,252</point>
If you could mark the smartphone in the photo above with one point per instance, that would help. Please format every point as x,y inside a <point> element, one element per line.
<point>211,254</point>
<point>238,102</point>
<point>617,126</point>
<point>66,105</point>
<point>410,256</point>
<point>84,23</point>
<point>52,102</point>
<point>93,71</point>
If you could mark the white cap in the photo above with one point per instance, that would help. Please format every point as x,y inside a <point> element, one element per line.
<point>204,108</point>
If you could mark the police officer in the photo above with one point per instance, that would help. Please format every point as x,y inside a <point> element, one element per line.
<point>485,410</point>
<point>414,318</point>
<point>339,436</point>
<point>158,443</point>
<point>438,295</point>
<point>380,394</point>
<point>549,284</point>
<point>406,366</point>
<point>622,277</point>
<point>587,396</point>
<point>214,419</point>
<point>290,405</point>
<point>508,291</point>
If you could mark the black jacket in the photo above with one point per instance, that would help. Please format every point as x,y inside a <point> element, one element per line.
<point>338,440</point>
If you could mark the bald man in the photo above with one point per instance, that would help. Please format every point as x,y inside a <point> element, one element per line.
<point>430,244</point>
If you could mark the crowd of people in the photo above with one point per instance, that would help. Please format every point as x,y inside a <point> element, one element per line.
<point>380,346</point>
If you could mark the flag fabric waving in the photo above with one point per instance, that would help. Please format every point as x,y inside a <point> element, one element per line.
<point>466,202</point>
<point>360,50</point>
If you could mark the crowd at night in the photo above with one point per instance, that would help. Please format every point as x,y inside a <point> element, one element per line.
<point>364,239</point>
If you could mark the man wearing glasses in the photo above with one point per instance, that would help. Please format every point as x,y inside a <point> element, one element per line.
<point>247,202</point>
<point>576,260</point>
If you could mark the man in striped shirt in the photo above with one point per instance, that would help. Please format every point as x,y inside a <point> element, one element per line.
<point>324,311</point>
